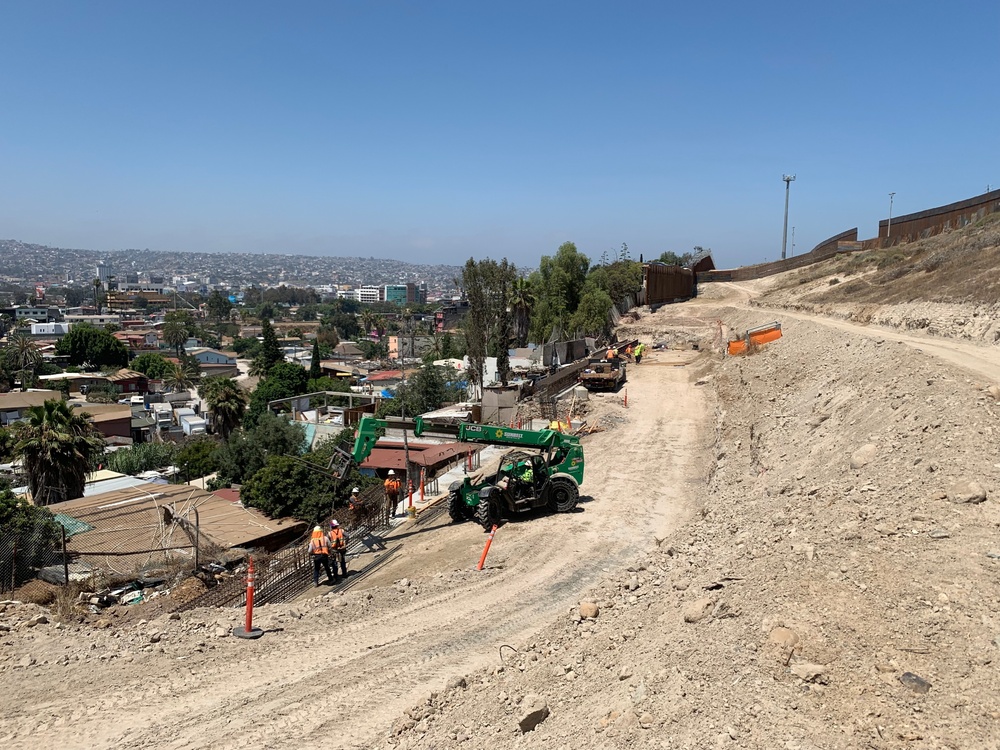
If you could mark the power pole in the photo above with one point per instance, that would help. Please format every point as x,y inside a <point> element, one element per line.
<point>789,179</point>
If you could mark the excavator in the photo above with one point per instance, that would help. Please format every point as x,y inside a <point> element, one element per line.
<point>544,471</point>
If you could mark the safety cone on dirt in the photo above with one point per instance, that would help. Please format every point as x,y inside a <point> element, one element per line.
<point>249,631</point>
<point>486,549</point>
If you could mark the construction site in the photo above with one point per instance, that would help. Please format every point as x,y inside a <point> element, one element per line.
<point>785,537</point>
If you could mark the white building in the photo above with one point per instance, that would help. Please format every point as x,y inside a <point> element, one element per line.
<point>368,294</point>
<point>49,329</point>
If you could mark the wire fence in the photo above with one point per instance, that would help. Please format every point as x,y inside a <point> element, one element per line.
<point>103,545</point>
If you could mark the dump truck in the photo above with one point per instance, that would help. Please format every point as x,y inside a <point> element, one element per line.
<point>544,471</point>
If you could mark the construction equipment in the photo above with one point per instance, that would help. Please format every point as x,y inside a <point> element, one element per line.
<point>603,374</point>
<point>545,473</point>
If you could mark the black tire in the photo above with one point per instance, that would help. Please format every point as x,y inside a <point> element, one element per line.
<point>563,494</point>
<point>488,513</point>
<point>457,508</point>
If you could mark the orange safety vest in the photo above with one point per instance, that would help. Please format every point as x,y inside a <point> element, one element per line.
<point>628,351</point>
<point>319,545</point>
<point>392,486</point>
<point>337,537</point>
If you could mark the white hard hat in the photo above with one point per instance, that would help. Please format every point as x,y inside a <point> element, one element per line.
<point>355,491</point>
<point>317,529</point>
<point>334,522</point>
<point>392,473</point>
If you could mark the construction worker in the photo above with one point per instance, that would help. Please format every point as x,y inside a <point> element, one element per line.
<point>354,503</point>
<point>612,353</point>
<point>338,541</point>
<point>319,550</point>
<point>628,351</point>
<point>392,487</point>
<point>639,351</point>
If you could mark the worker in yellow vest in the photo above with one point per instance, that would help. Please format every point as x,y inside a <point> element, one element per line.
<point>639,350</point>
<point>338,543</point>
<point>319,551</point>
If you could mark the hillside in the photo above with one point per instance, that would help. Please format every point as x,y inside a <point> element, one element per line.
<point>795,549</point>
<point>947,285</point>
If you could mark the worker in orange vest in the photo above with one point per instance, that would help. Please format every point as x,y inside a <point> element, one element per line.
<point>612,353</point>
<point>338,541</point>
<point>319,550</point>
<point>628,351</point>
<point>392,487</point>
<point>354,502</point>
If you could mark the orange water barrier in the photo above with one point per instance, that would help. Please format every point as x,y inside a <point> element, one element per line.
<point>756,336</point>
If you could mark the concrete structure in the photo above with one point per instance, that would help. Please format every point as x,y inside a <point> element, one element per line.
<point>94,320</point>
<point>206,356</point>
<point>49,330</point>
<point>368,295</point>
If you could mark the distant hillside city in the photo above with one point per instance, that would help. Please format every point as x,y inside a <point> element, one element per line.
<point>31,268</point>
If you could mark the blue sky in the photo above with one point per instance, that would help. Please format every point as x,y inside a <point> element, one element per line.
<point>434,131</point>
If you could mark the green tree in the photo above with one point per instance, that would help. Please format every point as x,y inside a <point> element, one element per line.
<point>287,486</point>
<point>270,353</point>
<point>246,347</point>
<point>619,279</point>
<point>197,458</point>
<point>283,381</point>
<point>218,305</point>
<point>30,534</point>
<point>487,326</point>
<point>178,379</point>
<point>57,446</point>
<point>88,345</point>
<point>6,444</point>
<point>151,364</point>
<point>246,451</point>
<point>522,301</point>
<point>22,357</point>
<point>593,316</point>
<point>227,401</point>
<point>175,334</point>
<point>315,371</point>
<point>558,285</point>
<point>673,259</point>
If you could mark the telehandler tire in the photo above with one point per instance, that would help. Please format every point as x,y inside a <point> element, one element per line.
<point>490,509</point>
<point>563,494</point>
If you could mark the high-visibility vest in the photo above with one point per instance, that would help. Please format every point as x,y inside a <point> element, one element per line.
<point>337,537</point>
<point>319,544</point>
<point>611,353</point>
<point>392,486</point>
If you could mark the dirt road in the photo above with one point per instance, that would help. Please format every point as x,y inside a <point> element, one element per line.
<point>342,667</point>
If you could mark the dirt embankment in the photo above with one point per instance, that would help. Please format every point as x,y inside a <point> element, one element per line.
<point>789,550</point>
<point>944,286</point>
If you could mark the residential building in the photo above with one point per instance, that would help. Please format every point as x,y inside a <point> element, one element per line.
<point>15,404</point>
<point>409,346</point>
<point>18,313</point>
<point>206,356</point>
<point>49,330</point>
<point>416,295</point>
<point>449,317</point>
<point>94,320</point>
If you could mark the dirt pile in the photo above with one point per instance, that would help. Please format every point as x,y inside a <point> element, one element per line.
<point>838,590</point>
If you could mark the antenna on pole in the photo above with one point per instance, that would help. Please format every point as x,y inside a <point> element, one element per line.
<point>789,179</point>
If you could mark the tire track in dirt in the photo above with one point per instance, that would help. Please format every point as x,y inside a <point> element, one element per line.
<point>347,681</point>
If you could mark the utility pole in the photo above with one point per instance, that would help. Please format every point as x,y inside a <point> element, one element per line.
<point>789,179</point>
<point>405,485</point>
<point>888,226</point>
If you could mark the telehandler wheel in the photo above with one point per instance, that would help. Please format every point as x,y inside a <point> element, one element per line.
<point>489,511</point>
<point>457,509</point>
<point>563,494</point>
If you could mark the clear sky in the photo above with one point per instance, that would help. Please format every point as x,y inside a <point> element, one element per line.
<point>432,131</point>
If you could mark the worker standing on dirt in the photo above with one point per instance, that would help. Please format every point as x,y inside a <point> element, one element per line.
<point>338,540</point>
<point>319,550</point>
<point>392,486</point>
<point>628,351</point>
<point>639,349</point>
<point>612,353</point>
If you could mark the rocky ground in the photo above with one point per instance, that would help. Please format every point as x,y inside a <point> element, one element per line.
<point>796,549</point>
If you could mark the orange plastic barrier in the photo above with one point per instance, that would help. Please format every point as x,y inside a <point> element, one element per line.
<point>756,337</point>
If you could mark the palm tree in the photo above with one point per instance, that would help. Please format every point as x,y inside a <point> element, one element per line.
<point>522,301</point>
<point>175,334</point>
<point>22,356</point>
<point>227,401</point>
<point>178,378</point>
<point>6,323</point>
<point>408,328</point>
<point>97,294</point>
<point>57,446</point>
<point>367,323</point>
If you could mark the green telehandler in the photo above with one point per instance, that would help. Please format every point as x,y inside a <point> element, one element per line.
<point>544,471</point>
